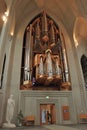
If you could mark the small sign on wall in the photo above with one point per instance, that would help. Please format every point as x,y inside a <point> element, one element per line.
<point>65,111</point>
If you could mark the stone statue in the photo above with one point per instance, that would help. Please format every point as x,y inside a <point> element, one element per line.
<point>9,112</point>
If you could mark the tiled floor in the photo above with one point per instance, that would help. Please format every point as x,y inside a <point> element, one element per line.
<point>51,127</point>
<point>26,128</point>
<point>79,126</point>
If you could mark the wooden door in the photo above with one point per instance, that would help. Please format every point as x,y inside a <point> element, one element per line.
<point>53,113</point>
<point>43,109</point>
<point>47,114</point>
<point>66,114</point>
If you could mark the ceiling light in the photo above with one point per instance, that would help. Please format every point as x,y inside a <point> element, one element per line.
<point>4,17</point>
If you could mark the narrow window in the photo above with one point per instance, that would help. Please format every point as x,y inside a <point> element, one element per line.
<point>84,68</point>
<point>2,75</point>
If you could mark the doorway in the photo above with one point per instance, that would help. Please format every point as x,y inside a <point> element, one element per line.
<point>47,114</point>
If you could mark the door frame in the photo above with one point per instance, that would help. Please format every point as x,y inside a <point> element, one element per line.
<point>48,111</point>
<point>48,101</point>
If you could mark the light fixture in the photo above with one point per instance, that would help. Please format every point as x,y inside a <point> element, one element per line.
<point>10,36</point>
<point>6,13</point>
<point>4,17</point>
<point>47,97</point>
<point>75,40</point>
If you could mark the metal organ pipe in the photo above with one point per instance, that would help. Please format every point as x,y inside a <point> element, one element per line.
<point>65,60</point>
<point>49,64</point>
<point>41,66</point>
<point>38,30</point>
<point>52,34</point>
<point>27,69</point>
<point>66,66</point>
<point>58,69</point>
<point>45,37</point>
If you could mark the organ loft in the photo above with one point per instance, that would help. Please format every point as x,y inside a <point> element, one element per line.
<point>44,59</point>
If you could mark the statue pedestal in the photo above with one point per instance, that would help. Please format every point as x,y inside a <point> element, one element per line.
<point>9,125</point>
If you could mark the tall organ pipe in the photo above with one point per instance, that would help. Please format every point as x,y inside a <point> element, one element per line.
<point>58,69</point>
<point>65,59</point>
<point>52,34</point>
<point>41,72</point>
<point>49,64</point>
<point>38,30</point>
<point>27,70</point>
<point>45,37</point>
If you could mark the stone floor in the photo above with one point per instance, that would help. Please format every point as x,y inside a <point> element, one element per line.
<point>26,128</point>
<point>51,127</point>
<point>79,126</point>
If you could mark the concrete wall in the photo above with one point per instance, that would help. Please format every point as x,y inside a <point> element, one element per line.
<point>30,104</point>
<point>29,101</point>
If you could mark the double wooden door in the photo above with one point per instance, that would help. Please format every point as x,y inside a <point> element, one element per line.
<point>47,114</point>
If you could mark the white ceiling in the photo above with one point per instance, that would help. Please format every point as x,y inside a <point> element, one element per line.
<point>3,8</point>
<point>65,10</point>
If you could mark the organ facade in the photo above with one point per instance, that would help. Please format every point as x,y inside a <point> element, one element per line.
<point>44,59</point>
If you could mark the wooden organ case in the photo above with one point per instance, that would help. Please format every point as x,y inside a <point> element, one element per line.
<point>44,59</point>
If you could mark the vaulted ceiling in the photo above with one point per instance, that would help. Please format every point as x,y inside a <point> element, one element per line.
<point>66,11</point>
<point>3,8</point>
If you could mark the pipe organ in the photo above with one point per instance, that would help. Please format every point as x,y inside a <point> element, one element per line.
<point>28,56</point>
<point>45,58</point>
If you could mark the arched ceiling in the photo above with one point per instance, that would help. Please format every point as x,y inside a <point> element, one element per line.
<point>3,8</point>
<point>66,11</point>
<point>81,30</point>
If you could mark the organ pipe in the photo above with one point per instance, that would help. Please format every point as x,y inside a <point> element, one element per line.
<point>49,64</point>
<point>52,34</point>
<point>28,54</point>
<point>38,30</point>
<point>65,60</point>
<point>45,53</point>
<point>61,60</point>
<point>41,72</point>
<point>58,69</point>
<point>45,37</point>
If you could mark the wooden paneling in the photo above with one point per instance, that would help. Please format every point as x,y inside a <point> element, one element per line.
<point>65,111</point>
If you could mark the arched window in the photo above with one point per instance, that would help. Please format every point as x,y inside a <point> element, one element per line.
<point>44,58</point>
<point>2,75</point>
<point>84,67</point>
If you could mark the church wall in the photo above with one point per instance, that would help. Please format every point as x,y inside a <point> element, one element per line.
<point>30,104</point>
<point>1,105</point>
<point>15,79</point>
<point>29,101</point>
<point>80,30</point>
<point>6,46</point>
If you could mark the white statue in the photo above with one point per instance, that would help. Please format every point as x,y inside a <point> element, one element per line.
<point>10,112</point>
<point>43,116</point>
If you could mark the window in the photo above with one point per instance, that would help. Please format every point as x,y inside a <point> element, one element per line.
<point>2,75</point>
<point>84,67</point>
